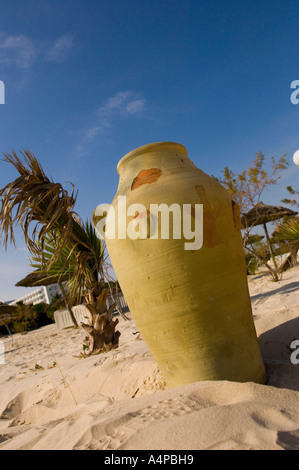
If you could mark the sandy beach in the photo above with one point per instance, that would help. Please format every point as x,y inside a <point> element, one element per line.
<point>51,399</point>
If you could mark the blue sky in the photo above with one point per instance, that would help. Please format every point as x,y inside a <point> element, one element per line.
<point>88,81</point>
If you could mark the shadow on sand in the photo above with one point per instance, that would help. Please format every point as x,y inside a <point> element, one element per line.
<point>287,289</point>
<point>276,351</point>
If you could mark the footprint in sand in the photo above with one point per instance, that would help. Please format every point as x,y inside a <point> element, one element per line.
<point>113,435</point>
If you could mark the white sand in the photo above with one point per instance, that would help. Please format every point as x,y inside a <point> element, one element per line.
<point>123,403</point>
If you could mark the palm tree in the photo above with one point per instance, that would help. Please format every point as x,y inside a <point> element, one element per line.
<point>288,231</point>
<point>78,271</point>
<point>60,244</point>
<point>261,214</point>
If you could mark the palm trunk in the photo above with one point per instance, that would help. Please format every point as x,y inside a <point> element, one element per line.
<point>102,336</point>
<point>275,271</point>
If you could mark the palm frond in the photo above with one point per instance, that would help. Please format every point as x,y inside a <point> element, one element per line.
<point>288,230</point>
<point>34,202</point>
<point>61,245</point>
<point>82,268</point>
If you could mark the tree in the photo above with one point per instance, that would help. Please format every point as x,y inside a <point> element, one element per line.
<point>83,285</point>
<point>59,243</point>
<point>292,192</point>
<point>287,231</point>
<point>246,189</point>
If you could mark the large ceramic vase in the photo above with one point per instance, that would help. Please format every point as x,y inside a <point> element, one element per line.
<point>192,306</point>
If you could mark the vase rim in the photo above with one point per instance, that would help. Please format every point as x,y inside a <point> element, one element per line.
<point>149,148</point>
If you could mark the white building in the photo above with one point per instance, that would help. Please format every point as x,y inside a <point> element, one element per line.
<point>41,295</point>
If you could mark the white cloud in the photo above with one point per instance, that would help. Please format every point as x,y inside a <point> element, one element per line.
<point>19,51</point>
<point>87,136</point>
<point>135,106</point>
<point>121,104</point>
<point>22,52</point>
<point>61,49</point>
<point>91,133</point>
<point>116,101</point>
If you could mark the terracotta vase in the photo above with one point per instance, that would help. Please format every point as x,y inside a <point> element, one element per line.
<point>191,305</point>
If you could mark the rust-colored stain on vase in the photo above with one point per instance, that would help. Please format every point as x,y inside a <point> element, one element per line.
<point>211,237</point>
<point>146,177</point>
<point>237,216</point>
<point>142,215</point>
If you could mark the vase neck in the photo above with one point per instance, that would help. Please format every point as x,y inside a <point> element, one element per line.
<point>156,155</point>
